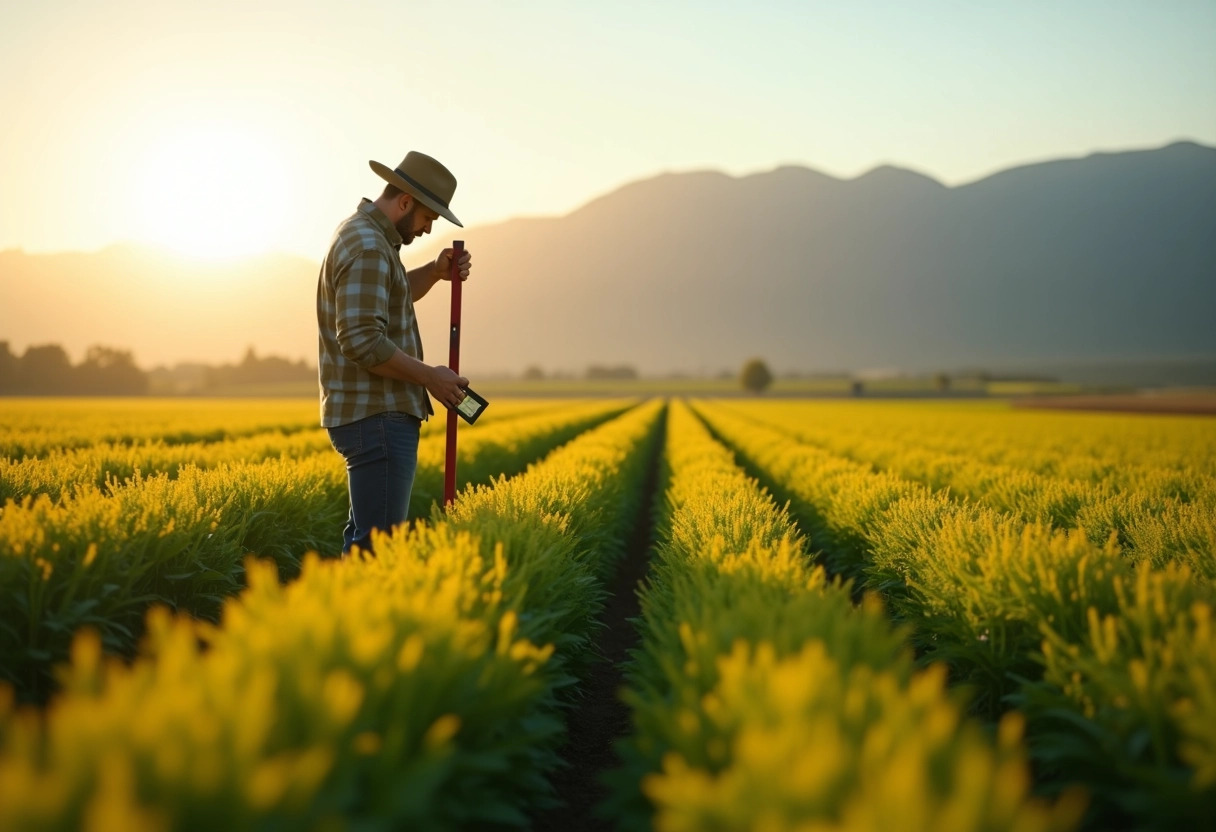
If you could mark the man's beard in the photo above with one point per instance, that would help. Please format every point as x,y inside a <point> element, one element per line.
<point>405,226</point>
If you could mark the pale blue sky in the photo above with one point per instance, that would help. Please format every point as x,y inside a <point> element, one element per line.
<point>250,124</point>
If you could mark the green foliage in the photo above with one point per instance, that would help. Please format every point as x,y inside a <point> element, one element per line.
<point>1057,568</point>
<point>101,555</point>
<point>1141,479</point>
<point>763,698</point>
<point>1030,612</point>
<point>420,688</point>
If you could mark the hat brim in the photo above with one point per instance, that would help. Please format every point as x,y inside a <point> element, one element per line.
<point>393,178</point>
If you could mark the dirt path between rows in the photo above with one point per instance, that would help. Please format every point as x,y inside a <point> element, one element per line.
<point>600,718</point>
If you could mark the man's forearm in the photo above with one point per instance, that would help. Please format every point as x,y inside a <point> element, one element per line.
<point>445,386</point>
<point>421,279</point>
<point>404,368</point>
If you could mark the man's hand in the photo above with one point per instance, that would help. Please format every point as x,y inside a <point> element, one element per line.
<point>445,386</point>
<point>428,274</point>
<point>443,264</point>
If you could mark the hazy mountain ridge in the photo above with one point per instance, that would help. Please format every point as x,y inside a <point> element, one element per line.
<point>1111,255</point>
<point>1103,256</point>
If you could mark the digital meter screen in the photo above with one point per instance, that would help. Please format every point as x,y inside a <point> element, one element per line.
<point>471,407</point>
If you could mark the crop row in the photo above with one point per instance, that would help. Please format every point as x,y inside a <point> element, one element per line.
<point>63,470</point>
<point>762,698</point>
<point>1159,514</point>
<point>1115,453</point>
<point>106,466</point>
<point>1105,447</point>
<point>101,558</point>
<point>420,688</point>
<point>1113,662</point>
<point>33,430</point>
<point>84,422</point>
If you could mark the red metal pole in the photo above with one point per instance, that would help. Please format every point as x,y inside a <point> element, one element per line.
<point>449,469</point>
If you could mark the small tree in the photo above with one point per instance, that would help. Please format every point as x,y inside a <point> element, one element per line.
<point>756,376</point>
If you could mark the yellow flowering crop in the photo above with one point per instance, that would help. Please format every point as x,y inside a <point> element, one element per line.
<point>1102,644</point>
<point>763,699</point>
<point>178,535</point>
<point>417,688</point>
<point>1151,481</point>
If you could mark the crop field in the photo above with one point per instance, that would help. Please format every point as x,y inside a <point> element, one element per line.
<point>640,613</point>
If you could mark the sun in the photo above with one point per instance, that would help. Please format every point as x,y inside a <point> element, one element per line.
<point>211,190</point>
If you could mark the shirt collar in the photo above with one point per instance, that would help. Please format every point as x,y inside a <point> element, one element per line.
<point>377,216</point>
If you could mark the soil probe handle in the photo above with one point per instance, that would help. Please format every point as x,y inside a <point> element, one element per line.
<point>449,468</point>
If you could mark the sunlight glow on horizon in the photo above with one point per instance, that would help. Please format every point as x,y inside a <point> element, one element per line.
<point>227,195</point>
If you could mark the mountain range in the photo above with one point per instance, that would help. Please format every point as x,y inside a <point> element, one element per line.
<point>1110,256</point>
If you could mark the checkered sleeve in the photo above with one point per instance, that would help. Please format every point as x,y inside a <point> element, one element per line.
<point>361,300</point>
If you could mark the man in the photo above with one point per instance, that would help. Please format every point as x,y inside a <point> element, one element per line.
<point>374,383</point>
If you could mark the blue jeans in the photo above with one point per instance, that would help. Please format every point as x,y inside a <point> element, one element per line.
<point>381,453</point>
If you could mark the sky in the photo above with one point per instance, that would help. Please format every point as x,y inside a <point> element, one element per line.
<point>222,128</point>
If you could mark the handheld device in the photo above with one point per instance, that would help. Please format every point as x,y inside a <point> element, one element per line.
<point>471,406</point>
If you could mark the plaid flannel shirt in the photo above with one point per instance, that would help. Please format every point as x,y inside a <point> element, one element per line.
<point>365,312</point>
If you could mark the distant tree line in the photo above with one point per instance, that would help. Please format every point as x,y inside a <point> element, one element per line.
<point>46,370</point>
<point>615,372</point>
<point>255,370</point>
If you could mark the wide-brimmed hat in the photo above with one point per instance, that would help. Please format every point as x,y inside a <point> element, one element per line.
<point>423,178</point>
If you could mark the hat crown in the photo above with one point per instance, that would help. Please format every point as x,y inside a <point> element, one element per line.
<point>430,174</point>
<point>423,178</point>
